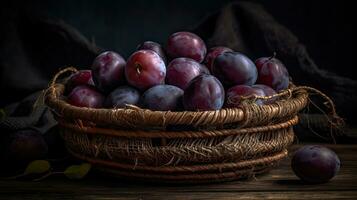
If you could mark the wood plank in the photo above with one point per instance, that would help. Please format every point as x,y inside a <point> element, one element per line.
<point>192,196</point>
<point>279,181</point>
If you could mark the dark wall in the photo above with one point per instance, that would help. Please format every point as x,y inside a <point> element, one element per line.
<point>325,27</point>
<point>122,25</point>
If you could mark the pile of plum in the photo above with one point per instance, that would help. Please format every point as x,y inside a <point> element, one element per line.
<point>183,76</point>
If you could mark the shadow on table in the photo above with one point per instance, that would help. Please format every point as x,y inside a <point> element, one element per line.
<point>294,182</point>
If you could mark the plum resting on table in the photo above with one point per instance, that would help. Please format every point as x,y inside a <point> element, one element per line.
<point>108,71</point>
<point>235,94</point>
<point>122,96</point>
<point>162,98</point>
<point>213,53</point>
<point>85,96</point>
<point>233,68</point>
<point>181,71</point>
<point>149,45</point>
<point>272,72</point>
<point>145,69</point>
<point>315,164</point>
<point>204,92</point>
<point>186,44</point>
<point>26,146</point>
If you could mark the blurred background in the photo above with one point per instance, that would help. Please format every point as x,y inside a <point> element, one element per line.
<point>324,27</point>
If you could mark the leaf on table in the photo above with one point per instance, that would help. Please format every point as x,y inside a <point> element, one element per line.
<point>2,114</point>
<point>37,167</point>
<point>77,171</point>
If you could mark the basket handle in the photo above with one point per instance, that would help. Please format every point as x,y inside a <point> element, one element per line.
<point>332,117</point>
<point>40,101</point>
<point>60,73</point>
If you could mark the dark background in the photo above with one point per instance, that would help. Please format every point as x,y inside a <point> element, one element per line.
<point>324,27</point>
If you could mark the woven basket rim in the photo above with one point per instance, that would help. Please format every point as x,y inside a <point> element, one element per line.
<point>138,117</point>
<point>55,91</point>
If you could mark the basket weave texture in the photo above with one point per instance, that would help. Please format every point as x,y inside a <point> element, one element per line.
<point>180,147</point>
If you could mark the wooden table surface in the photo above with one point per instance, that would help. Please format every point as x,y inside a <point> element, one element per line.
<point>280,183</point>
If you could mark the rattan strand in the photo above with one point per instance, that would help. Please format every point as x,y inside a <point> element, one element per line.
<point>175,134</point>
<point>194,178</point>
<point>179,150</point>
<point>218,167</point>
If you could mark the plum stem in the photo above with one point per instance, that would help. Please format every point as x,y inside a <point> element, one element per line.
<point>273,56</point>
<point>138,68</point>
<point>47,175</point>
<point>14,177</point>
<point>270,58</point>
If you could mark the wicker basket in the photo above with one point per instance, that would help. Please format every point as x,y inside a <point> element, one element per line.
<point>179,147</point>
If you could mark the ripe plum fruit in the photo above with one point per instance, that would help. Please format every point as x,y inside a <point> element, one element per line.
<point>145,69</point>
<point>162,98</point>
<point>236,94</point>
<point>149,45</point>
<point>27,145</point>
<point>82,77</point>
<point>273,73</point>
<point>234,68</point>
<point>181,71</point>
<point>268,92</point>
<point>122,96</point>
<point>315,164</point>
<point>108,71</point>
<point>213,53</point>
<point>85,96</point>
<point>186,44</point>
<point>204,92</point>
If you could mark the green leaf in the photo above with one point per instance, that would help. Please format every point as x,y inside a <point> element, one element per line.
<point>2,114</point>
<point>37,167</point>
<point>77,171</point>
